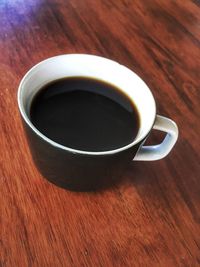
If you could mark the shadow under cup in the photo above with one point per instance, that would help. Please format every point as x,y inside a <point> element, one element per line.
<point>70,168</point>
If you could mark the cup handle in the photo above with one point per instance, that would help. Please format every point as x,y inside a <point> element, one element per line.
<point>156,152</point>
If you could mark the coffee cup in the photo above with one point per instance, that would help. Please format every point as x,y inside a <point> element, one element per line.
<point>85,170</point>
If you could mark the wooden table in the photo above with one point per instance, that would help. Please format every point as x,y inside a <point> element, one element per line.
<point>153,217</point>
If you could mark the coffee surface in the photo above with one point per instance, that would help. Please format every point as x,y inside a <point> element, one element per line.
<point>85,114</point>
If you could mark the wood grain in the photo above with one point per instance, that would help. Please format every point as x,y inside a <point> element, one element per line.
<point>153,217</point>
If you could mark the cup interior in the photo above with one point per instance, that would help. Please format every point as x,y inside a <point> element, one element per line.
<point>73,65</point>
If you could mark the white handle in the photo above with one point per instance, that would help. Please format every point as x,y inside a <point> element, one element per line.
<point>162,150</point>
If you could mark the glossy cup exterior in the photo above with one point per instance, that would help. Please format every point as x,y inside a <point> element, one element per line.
<point>76,171</point>
<point>70,168</point>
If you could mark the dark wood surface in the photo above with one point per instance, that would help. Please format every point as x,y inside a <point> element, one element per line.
<point>153,217</point>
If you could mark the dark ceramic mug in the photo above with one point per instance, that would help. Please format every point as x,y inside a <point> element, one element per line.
<point>85,170</point>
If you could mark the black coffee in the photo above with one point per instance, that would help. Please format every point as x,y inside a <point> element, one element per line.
<point>85,114</point>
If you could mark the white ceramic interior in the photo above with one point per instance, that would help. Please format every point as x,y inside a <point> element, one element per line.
<point>88,66</point>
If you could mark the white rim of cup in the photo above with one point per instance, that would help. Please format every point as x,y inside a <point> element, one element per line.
<point>65,148</point>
